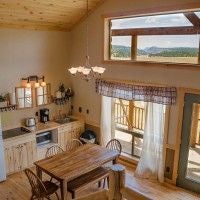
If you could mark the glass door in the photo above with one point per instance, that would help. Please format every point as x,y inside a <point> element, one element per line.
<point>189,160</point>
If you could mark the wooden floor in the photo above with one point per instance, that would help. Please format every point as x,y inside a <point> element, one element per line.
<point>17,188</point>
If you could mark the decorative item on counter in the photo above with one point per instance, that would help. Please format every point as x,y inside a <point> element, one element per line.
<point>58,95</point>
<point>4,104</point>
<point>3,101</point>
<point>60,101</point>
<point>69,92</point>
<point>12,98</point>
<point>62,90</point>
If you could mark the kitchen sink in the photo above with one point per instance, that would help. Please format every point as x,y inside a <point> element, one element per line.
<point>15,132</point>
<point>65,120</point>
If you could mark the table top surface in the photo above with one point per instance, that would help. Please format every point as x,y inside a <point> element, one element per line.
<point>69,165</point>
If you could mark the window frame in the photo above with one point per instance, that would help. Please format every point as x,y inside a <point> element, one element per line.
<point>138,13</point>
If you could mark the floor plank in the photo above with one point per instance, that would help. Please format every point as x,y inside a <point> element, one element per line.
<point>17,188</point>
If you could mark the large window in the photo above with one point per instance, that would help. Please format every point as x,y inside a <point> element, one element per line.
<point>129,125</point>
<point>169,38</point>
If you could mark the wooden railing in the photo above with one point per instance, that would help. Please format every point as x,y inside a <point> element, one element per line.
<point>135,114</point>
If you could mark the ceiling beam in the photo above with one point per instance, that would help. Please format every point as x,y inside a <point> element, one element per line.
<point>157,31</point>
<point>193,18</point>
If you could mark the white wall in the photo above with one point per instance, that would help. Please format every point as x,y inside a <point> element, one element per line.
<point>27,52</point>
<point>85,95</point>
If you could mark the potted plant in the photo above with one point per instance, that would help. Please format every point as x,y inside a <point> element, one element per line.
<point>3,101</point>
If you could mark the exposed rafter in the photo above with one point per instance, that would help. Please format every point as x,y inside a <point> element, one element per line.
<point>157,31</point>
<point>193,18</point>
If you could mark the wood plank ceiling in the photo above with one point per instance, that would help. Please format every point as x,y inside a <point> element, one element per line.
<point>59,15</point>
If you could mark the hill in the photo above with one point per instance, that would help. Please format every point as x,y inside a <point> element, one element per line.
<point>124,51</point>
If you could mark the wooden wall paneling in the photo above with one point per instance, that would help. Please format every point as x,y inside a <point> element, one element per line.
<point>169,163</point>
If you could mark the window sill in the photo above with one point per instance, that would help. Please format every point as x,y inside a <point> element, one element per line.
<point>156,64</point>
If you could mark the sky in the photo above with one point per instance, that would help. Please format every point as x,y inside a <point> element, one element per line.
<point>170,20</point>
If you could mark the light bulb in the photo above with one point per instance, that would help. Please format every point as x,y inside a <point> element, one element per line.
<point>28,85</point>
<point>43,84</point>
<point>73,70</point>
<point>95,69</point>
<point>86,71</point>
<point>101,70</point>
<point>80,69</point>
<point>37,85</point>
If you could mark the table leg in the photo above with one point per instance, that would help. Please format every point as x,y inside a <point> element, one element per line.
<point>39,172</point>
<point>114,161</point>
<point>63,189</point>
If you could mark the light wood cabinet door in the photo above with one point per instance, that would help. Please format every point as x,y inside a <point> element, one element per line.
<point>76,132</point>
<point>9,159</point>
<point>17,157</point>
<point>20,156</point>
<point>69,132</point>
<point>31,152</point>
<point>61,140</point>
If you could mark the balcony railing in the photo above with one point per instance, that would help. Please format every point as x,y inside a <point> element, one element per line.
<point>137,120</point>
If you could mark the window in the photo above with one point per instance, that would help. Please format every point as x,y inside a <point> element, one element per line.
<point>169,38</point>
<point>24,97</point>
<point>43,95</point>
<point>129,125</point>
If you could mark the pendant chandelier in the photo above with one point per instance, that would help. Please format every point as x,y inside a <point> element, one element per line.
<point>87,71</point>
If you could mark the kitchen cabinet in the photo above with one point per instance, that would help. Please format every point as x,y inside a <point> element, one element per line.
<point>19,153</point>
<point>68,132</point>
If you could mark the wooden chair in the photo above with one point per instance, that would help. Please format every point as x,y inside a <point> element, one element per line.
<point>73,145</point>
<point>114,145</point>
<point>40,189</point>
<point>54,150</point>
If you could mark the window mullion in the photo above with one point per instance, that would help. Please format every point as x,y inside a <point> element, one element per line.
<point>134,47</point>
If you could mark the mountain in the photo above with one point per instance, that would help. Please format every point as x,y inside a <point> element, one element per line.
<point>154,50</point>
<point>124,51</point>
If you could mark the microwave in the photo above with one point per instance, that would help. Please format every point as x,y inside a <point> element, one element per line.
<point>44,138</point>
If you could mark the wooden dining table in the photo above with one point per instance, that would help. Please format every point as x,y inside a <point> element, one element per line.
<point>67,166</point>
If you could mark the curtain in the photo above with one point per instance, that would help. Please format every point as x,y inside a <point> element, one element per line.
<point>106,120</point>
<point>151,164</point>
<point>161,95</point>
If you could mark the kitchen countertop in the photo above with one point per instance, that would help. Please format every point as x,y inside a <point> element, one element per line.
<point>40,127</point>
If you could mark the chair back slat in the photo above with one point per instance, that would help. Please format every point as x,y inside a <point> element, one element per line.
<point>38,188</point>
<point>54,150</point>
<point>73,145</point>
<point>114,145</point>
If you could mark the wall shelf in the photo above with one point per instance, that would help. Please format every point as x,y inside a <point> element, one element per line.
<point>61,101</point>
<point>8,108</point>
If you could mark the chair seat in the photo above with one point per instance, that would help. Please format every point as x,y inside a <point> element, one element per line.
<point>50,187</point>
<point>87,179</point>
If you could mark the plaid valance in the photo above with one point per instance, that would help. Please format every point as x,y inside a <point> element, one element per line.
<point>161,95</point>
